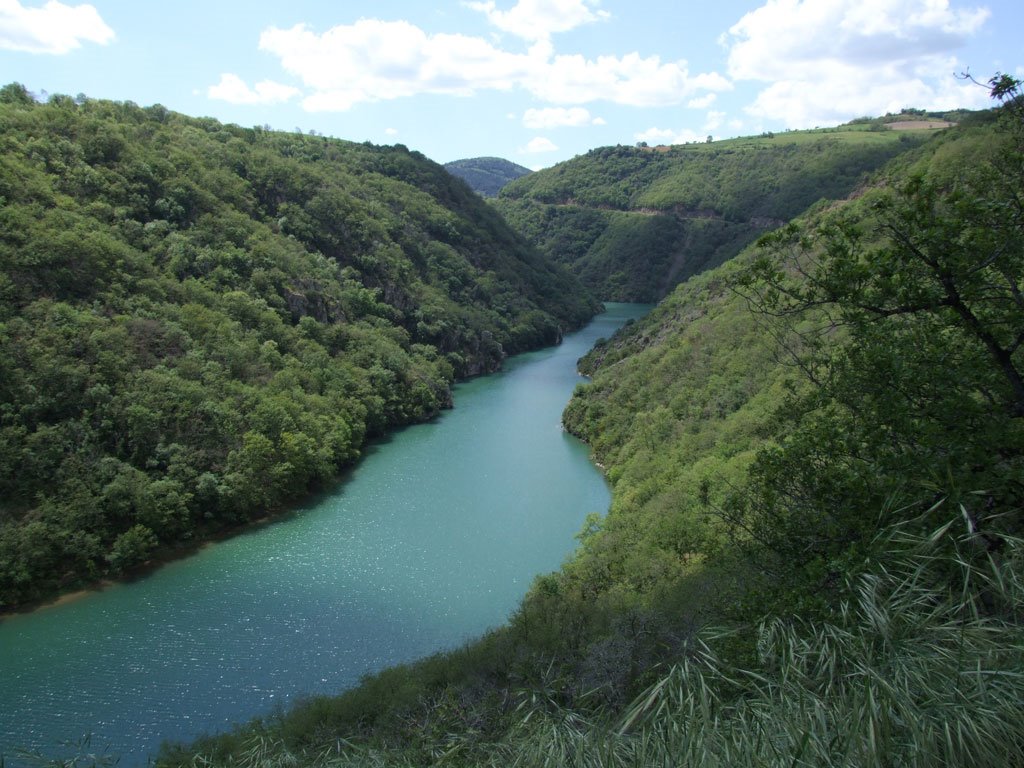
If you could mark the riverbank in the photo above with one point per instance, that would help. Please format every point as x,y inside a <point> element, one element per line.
<point>174,551</point>
<point>160,558</point>
<point>432,538</point>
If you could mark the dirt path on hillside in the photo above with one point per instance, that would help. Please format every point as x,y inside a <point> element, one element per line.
<point>920,125</point>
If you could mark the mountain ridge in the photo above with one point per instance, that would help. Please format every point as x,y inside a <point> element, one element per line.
<point>633,222</point>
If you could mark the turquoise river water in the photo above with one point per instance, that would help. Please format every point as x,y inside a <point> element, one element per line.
<point>430,540</point>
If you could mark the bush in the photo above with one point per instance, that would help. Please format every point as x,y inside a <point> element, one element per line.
<point>131,548</point>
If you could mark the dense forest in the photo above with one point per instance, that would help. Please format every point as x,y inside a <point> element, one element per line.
<point>634,222</point>
<point>199,322</point>
<point>486,175</point>
<point>813,555</point>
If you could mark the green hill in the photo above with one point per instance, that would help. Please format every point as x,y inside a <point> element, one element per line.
<point>486,175</point>
<point>634,222</point>
<point>199,322</point>
<point>813,555</point>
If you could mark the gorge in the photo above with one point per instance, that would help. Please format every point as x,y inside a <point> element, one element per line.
<point>431,539</point>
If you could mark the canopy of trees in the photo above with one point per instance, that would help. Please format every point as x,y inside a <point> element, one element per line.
<point>200,321</point>
<point>634,222</point>
<point>486,175</point>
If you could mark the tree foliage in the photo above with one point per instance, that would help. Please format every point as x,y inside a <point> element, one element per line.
<point>486,175</point>
<point>634,222</point>
<point>924,398</point>
<point>201,321</point>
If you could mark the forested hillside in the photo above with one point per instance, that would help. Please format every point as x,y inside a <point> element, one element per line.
<point>200,321</point>
<point>634,222</point>
<point>813,555</point>
<point>486,175</point>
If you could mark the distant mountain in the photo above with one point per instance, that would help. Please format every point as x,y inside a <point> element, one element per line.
<point>486,175</point>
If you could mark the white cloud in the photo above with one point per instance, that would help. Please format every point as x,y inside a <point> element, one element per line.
<point>828,60</point>
<point>539,19</point>
<point>373,60</point>
<point>630,80</point>
<point>599,121</point>
<point>702,102</point>
<point>787,37</point>
<point>714,120</point>
<point>391,131</point>
<point>556,117</point>
<point>55,28</point>
<point>656,136</point>
<point>233,89</point>
<point>538,145</point>
<point>789,100</point>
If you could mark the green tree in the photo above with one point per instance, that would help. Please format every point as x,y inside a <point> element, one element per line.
<point>16,93</point>
<point>906,312</point>
<point>131,548</point>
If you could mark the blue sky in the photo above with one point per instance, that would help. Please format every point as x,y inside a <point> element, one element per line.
<point>534,81</point>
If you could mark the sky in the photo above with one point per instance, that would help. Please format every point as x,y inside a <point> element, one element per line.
<point>534,81</point>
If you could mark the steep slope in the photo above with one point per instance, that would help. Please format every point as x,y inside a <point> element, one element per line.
<point>853,369</point>
<point>486,175</point>
<point>634,222</point>
<point>199,321</point>
<point>817,446</point>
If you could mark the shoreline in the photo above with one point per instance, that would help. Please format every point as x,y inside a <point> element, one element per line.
<point>181,550</point>
<point>184,549</point>
<point>162,557</point>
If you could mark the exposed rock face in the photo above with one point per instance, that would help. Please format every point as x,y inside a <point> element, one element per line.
<point>310,305</point>
<point>486,356</point>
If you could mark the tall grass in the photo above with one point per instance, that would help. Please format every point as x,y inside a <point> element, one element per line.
<point>924,668</point>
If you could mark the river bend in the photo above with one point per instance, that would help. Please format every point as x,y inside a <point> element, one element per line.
<point>431,539</point>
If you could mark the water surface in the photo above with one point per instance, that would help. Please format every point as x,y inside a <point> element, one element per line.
<point>430,540</point>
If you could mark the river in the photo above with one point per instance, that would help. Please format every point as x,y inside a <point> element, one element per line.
<point>431,539</point>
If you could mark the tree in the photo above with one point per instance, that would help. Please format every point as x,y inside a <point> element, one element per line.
<point>131,548</point>
<point>16,93</point>
<point>905,310</point>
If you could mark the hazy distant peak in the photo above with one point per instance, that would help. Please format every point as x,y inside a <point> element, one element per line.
<point>486,175</point>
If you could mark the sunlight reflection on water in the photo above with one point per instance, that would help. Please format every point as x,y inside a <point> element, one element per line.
<point>433,538</point>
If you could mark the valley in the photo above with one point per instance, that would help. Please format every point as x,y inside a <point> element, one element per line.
<point>813,443</point>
